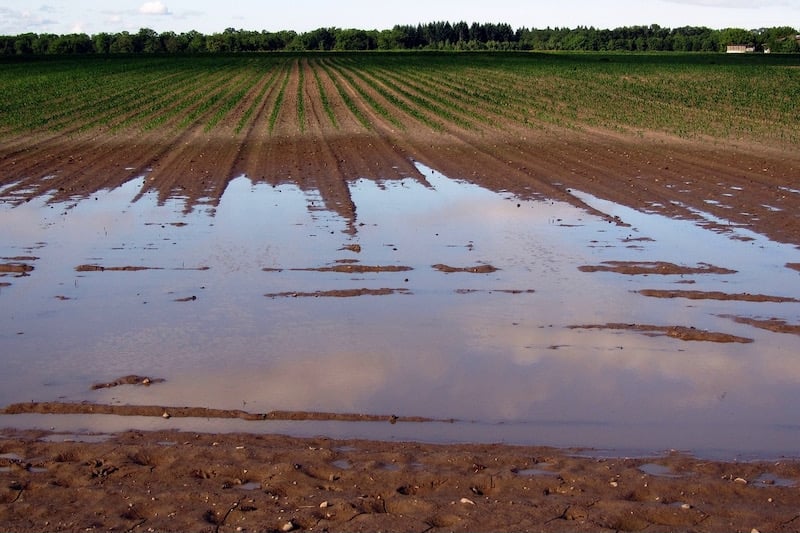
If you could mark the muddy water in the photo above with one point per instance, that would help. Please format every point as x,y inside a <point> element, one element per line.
<point>235,309</point>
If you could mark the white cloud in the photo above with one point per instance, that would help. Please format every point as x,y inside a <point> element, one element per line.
<point>734,4</point>
<point>14,22</point>
<point>154,8</point>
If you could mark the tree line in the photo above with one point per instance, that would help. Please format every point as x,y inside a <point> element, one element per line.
<point>430,36</point>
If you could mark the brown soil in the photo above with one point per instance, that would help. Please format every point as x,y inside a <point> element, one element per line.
<point>127,380</point>
<point>772,324</point>
<point>653,267</point>
<point>503,291</point>
<point>185,482</point>
<point>480,269</point>
<point>715,295</point>
<point>678,332</point>
<point>170,481</point>
<point>128,268</point>
<point>61,408</point>
<point>647,170</point>
<point>338,293</point>
<point>357,269</point>
<point>15,268</point>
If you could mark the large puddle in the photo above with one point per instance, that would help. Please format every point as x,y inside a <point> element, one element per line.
<point>526,321</point>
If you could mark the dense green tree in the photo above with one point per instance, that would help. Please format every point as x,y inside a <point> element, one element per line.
<point>122,43</point>
<point>782,39</point>
<point>440,35</point>
<point>353,39</point>
<point>730,36</point>
<point>74,43</point>
<point>101,43</point>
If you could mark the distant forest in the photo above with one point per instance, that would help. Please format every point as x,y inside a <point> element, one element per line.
<point>431,36</point>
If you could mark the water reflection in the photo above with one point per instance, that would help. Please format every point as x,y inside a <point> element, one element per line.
<point>492,347</point>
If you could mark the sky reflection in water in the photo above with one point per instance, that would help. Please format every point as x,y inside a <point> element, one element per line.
<point>475,347</point>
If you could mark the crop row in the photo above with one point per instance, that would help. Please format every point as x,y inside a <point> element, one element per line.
<point>710,95</point>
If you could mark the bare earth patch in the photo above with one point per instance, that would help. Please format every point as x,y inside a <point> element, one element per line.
<point>98,268</point>
<point>715,295</point>
<point>490,291</point>
<point>356,269</point>
<point>15,268</point>
<point>128,268</point>
<point>171,481</point>
<point>772,324</point>
<point>194,412</point>
<point>479,269</point>
<point>635,268</point>
<point>683,333</point>
<point>128,380</point>
<point>338,293</point>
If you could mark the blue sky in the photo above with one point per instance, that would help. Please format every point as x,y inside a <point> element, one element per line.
<point>208,16</point>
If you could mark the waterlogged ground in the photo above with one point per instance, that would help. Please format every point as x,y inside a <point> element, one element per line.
<point>525,321</point>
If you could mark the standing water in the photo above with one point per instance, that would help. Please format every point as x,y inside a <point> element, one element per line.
<point>516,319</point>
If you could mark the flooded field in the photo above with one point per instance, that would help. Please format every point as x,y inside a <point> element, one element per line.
<point>521,321</point>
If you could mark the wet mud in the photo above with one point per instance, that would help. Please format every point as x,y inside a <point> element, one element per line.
<point>683,333</point>
<point>715,295</point>
<point>172,481</point>
<point>635,268</point>
<point>479,269</point>
<point>338,293</point>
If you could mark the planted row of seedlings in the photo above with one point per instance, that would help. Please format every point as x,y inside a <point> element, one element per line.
<point>175,105</point>
<point>255,105</point>
<point>323,95</point>
<point>348,101</point>
<point>276,106</point>
<point>439,91</point>
<point>355,74</point>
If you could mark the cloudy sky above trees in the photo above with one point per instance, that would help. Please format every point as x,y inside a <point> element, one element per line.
<point>209,16</point>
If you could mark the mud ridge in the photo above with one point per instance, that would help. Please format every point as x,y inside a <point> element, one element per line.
<point>683,333</point>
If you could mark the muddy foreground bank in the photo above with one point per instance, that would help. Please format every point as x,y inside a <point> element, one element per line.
<point>172,481</point>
